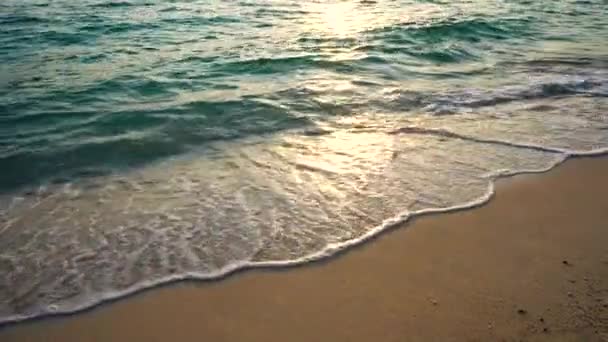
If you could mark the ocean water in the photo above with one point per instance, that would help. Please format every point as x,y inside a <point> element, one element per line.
<point>143,142</point>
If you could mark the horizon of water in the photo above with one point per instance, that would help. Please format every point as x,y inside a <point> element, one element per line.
<point>143,143</point>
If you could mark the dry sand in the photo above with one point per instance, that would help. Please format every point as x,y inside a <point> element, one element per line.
<point>531,265</point>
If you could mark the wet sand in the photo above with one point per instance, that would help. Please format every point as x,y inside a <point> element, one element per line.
<point>530,265</point>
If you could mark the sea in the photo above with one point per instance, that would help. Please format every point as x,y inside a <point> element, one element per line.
<point>144,142</point>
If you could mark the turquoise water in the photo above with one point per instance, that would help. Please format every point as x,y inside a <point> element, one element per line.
<point>143,142</point>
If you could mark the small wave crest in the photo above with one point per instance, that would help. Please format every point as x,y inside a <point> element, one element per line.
<point>458,101</point>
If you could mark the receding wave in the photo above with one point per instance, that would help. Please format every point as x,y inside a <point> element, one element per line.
<point>249,216</point>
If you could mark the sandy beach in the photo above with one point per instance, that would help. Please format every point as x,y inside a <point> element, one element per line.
<point>531,265</point>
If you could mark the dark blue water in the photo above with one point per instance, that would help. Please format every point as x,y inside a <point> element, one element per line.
<point>146,141</point>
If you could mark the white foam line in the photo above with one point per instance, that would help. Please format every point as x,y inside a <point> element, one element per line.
<point>330,250</point>
<point>449,134</point>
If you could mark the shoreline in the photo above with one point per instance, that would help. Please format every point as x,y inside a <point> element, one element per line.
<point>399,221</point>
<point>576,177</point>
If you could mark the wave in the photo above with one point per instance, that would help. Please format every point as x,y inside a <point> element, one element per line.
<point>115,4</point>
<point>330,250</point>
<point>451,40</point>
<point>266,12</point>
<point>266,66</point>
<point>472,30</point>
<point>175,127</point>
<point>457,101</point>
<point>447,134</point>
<point>23,19</point>
<point>64,142</point>
<point>201,20</point>
<point>117,28</point>
<point>244,191</point>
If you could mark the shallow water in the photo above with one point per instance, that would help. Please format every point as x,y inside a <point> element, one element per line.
<point>142,143</point>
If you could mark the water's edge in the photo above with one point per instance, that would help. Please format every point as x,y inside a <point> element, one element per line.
<point>325,255</point>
